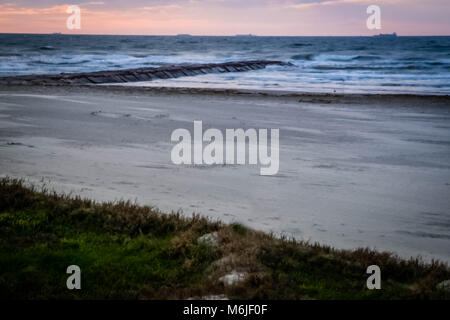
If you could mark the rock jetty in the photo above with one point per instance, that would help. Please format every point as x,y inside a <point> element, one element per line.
<point>140,74</point>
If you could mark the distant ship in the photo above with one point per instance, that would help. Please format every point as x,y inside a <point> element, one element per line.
<point>386,35</point>
<point>184,35</point>
<point>245,35</point>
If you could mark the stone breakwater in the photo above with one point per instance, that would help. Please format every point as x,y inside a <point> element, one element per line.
<point>140,74</point>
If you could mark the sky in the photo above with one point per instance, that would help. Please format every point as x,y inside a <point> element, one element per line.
<point>227,17</point>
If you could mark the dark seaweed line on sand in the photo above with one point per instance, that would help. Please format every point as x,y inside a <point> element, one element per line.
<point>140,74</point>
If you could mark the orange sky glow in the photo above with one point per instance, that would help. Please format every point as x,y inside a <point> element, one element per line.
<point>222,17</point>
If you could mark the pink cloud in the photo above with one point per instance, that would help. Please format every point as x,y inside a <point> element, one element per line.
<point>266,17</point>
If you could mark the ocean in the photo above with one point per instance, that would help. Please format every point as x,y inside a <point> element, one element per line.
<point>417,65</point>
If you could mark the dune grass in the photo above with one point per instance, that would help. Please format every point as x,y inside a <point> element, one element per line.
<point>127,251</point>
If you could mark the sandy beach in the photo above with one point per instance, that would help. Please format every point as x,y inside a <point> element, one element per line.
<point>355,170</point>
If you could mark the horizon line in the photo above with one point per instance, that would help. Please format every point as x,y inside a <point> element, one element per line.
<point>204,35</point>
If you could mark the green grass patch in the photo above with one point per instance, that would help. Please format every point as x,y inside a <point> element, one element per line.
<point>126,251</point>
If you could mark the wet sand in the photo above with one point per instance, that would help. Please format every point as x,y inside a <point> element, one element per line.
<point>355,170</point>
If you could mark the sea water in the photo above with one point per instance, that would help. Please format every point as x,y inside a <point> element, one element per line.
<point>419,65</point>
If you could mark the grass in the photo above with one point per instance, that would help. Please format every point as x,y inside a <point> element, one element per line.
<point>127,251</point>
